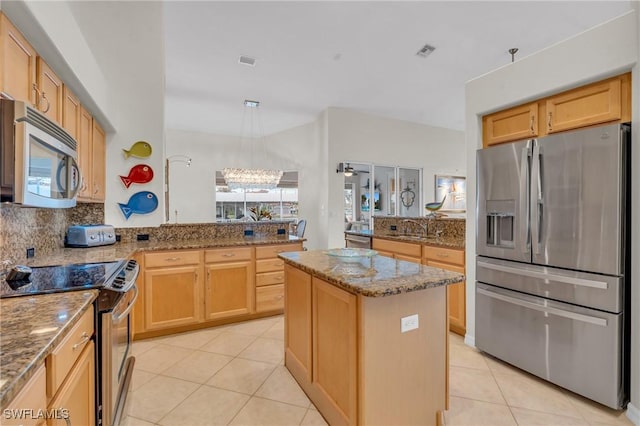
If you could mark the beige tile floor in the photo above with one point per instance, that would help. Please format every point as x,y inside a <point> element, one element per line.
<point>235,375</point>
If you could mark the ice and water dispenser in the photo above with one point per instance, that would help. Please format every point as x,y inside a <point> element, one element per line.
<point>500,223</point>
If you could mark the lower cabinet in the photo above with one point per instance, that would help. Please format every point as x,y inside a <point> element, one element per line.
<point>229,284</point>
<point>183,289</point>
<point>451,260</point>
<point>297,338</point>
<point>172,289</point>
<point>350,356</point>
<point>32,397</point>
<point>335,363</point>
<point>76,396</point>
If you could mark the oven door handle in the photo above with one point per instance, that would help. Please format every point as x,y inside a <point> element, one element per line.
<point>117,318</point>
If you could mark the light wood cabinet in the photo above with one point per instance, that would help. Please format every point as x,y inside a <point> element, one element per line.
<point>270,276</point>
<point>451,260</point>
<point>409,252</point>
<point>512,124</point>
<point>335,355</point>
<point>85,128</point>
<point>229,284</point>
<point>71,114</point>
<point>350,356</point>
<point>297,338</point>
<point>98,162</point>
<point>63,357</point>
<point>77,394</point>
<point>49,91</point>
<point>17,64</point>
<point>172,294</point>
<point>605,101</point>
<point>32,397</point>
<point>585,106</point>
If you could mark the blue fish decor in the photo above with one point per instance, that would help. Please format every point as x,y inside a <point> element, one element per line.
<point>142,202</point>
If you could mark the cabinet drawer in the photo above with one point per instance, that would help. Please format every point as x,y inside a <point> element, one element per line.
<point>227,254</point>
<point>408,258</point>
<point>445,255</point>
<point>31,397</point>
<point>60,361</point>
<point>171,258</point>
<point>270,278</point>
<point>267,252</point>
<point>269,298</point>
<point>269,265</point>
<point>448,267</point>
<point>397,247</point>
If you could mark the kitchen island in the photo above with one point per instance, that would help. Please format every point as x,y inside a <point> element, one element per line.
<point>366,338</point>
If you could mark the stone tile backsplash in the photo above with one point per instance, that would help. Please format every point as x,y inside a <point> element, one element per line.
<point>44,229</point>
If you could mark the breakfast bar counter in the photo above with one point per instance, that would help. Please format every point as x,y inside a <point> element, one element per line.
<point>366,337</point>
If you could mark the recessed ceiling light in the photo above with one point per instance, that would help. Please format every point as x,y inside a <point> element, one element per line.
<point>247,60</point>
<point>425,51</point>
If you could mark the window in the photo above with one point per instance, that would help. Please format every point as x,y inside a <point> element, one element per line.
<point>235,205</point>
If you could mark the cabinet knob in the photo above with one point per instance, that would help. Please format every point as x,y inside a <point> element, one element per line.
<point>228,254</point>
<point>85,339</point>
<point>533,119</point>
<point>549,121</point>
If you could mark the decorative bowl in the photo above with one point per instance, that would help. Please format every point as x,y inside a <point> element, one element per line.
<point>351,255</point>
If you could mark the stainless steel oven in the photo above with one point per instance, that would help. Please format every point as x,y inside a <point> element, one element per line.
<point>115,363</point>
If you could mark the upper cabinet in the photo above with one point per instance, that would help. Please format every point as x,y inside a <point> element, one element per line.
<point>49,91</point>
<point>592,104</point>
<point>605,101</point>
<point>513,124</point>
<point>17,63</point>
<point>25,76</point>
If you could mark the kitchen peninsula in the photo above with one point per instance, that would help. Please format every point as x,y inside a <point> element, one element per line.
<point>366,339</point>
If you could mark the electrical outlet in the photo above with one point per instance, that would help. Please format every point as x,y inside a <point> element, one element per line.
<point>143,237</point>
<point>248,232</point>
<point>408,323</point>
<point>118,238</point>
<point>281,231</point>
<point>393,227</point>
<point>31,252</point>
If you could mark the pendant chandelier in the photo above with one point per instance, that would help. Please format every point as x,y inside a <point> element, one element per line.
<point>251,178</point>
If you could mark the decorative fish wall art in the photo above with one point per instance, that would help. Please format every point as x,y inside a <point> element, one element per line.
<point>142,202</point>
<point>140,173</point>
<point>140,149</point>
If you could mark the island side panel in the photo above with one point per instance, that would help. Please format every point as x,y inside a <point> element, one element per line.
<point>402,375</point>
<point>335,353</point>
<point>297,307</point>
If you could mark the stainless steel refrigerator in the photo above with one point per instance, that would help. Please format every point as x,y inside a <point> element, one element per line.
<point>553,246</point>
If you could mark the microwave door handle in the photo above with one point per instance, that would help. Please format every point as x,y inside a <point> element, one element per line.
<point>74,166</point>
<point>524,197</point>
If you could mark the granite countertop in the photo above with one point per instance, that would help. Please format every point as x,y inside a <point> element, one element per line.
<point>371,277</point>
<point>119,251</point>
<point>443,241</point>
<point>30,328</point>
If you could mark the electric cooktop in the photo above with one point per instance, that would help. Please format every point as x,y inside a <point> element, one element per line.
<point>55,279</point>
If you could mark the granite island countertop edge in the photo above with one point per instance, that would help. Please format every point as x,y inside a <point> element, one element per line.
<point>427,277</point>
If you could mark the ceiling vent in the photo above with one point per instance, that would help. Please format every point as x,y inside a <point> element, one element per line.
<point>247,60</point>
<point>425,51</point>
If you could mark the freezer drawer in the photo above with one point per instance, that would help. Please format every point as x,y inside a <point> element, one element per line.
<point>573,347</point>
<point>578,288</point>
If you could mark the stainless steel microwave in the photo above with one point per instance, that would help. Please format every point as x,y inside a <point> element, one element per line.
<point>39,159</point>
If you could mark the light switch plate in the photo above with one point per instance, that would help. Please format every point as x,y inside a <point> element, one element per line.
<point>408,323</point>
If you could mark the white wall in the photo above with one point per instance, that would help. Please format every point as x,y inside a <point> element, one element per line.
<point>365,138</point>
<point>132,62</point>
<point>608,49</point>
<point>633,411</point>
<point>302,148</point>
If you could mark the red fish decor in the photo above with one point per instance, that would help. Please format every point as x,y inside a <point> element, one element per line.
<point>140,173</point>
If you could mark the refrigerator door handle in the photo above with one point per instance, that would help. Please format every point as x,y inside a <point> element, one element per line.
<point>535,199</point>
<point>524,198</point>
<point>545,276</point>
<point>546,309</point>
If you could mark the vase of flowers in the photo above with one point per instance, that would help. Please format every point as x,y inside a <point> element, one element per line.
<point>260,213</point>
